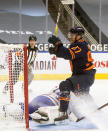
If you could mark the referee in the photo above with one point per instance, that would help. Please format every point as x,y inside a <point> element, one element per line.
<point>17,67</point>
<point>31,55</point>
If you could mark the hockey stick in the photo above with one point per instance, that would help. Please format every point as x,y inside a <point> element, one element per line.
<point>58,17</point>
<point>99,108</point>
<point>64,2</point>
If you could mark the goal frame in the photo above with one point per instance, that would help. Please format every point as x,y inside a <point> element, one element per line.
<point>26,87</point>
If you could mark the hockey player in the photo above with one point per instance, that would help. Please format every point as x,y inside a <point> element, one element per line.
<point>17,67</point>
<point>83,72</point>
<point>45,100</point>
<point>50,99</point>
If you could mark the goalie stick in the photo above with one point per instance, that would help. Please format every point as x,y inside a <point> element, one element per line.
<point>99,108</point>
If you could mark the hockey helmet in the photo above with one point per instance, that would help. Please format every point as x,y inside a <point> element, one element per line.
<point>32,37</point>
<point>77,30</point>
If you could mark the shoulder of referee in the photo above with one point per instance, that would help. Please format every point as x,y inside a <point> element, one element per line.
<point>36,49</point>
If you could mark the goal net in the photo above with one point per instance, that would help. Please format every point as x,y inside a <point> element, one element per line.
<point>14,84</point>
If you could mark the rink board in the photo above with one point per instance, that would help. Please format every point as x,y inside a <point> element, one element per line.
<point>50,67</point>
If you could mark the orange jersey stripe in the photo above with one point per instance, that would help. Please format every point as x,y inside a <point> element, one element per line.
<point>64,98</point>
<point>71,65</point>
<point>72,54</point>
<point>91,67</point>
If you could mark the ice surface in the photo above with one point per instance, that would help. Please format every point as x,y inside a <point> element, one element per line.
<point>99,91</point>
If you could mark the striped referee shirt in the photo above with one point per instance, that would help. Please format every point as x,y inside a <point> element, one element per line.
<point>31,54</point>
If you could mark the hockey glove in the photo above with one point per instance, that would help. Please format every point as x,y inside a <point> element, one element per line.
<point>55,41</point>
<point>52,50</point>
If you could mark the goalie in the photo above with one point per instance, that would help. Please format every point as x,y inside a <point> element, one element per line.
<point>37,107</point>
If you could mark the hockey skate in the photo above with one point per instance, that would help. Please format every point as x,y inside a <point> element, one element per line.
<point>62,119</point>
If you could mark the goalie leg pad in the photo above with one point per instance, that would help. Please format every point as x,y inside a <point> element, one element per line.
<point>46,115</point>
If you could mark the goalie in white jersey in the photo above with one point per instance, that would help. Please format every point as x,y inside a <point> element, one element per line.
<point>44,100</point>
<point>39,102</point>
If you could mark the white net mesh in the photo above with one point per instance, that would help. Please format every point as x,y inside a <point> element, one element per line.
<point>12,83</point>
